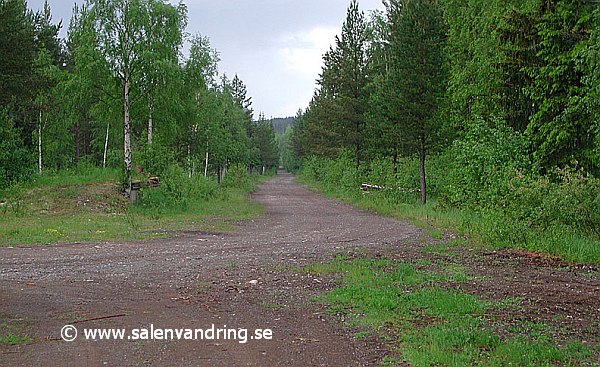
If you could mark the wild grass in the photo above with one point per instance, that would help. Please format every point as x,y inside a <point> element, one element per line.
<point>12,331</point>
<point>433,323</point>
<point>89,207</point>
<point>11,339</point>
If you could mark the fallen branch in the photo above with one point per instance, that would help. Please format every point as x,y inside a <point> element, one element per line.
<point>99,318</point>
<point>368,187</point>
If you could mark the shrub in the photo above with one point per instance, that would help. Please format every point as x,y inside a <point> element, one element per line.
<point>237,176</point>
<point>483,163</point>
<point>16,164</point>
<point>339,174</point>
<point>155,159</point>
<point>572,201</point>
<point>177,191</point>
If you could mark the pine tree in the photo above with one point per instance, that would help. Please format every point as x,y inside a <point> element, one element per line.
<point>239,92</point>
<point>264,140</point>
<point>416,78</point>
<point>18,54</point>
<point>345,78</point>
<point>517,39</point>
<point>46,35</point>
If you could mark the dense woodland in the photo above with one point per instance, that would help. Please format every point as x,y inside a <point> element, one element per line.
<point>486,106</point>
<point>117,92</point>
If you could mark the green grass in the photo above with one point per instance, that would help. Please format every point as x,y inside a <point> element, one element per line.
<point>487,229</point>
<point>388,361</point>
<point>434,323</point>
<point>435,233</point>
<point>11,339</point>
<point>88,207</point>
<point>361,335</point>
<point>439,248</point>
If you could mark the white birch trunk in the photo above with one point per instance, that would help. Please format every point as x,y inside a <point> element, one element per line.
<point>40,144</point>
<point>127,132</point>
<point>189,152</point>
<point>206,161</point>
<point>105,146</point>
<point>126,122</point>
<point>150,122</point>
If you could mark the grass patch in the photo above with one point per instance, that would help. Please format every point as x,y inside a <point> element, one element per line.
<point>361,335</point>
<point>439,249</point>
<point>435,323</point>
<point>388,361</point>
<point>89,207</point>
<point>435,234</point>
<point>12,339</point>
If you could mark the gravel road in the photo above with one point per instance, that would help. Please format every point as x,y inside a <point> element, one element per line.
<point>232,280</point>
<point>245,279</point>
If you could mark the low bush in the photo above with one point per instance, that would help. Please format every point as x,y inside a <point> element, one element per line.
<point>482,165</point>
<point>177,191</point>
<point>16,164</point>
<point>155,159</point>
<point>238,177</point>
<point>571,200</point>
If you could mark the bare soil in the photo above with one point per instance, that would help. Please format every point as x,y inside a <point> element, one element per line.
<point>243,279</point>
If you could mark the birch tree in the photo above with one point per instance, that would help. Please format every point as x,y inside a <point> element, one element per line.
<point>46,73</point>
<point>164,27</point>
<point>200,74</point>
<point>119,31</point>
<point>126,32</point>
<point>47,76</point>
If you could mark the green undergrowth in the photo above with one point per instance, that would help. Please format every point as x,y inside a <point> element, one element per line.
<point>483,227</point>
<point>431,321</point>
<point>89,206</point>
<point>12,339</point>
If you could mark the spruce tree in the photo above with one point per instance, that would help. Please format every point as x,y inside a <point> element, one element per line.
<point>416,77</point>
<point>336,116</point>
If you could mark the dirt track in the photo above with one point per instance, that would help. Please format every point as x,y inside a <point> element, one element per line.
<point>239,279</point>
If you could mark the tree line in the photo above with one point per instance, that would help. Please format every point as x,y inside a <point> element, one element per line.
<point>487,88</point>
<point>117,92</point>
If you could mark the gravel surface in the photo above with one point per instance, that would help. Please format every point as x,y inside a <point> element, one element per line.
<point>242,279</point>
<point>193,281</point>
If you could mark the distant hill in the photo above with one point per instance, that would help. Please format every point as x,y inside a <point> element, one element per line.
<point>280,124</point>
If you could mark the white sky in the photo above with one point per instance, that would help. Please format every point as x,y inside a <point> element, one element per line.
<point>275,46</point>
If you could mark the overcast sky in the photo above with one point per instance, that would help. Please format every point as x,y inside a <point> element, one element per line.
<point>275,46</point>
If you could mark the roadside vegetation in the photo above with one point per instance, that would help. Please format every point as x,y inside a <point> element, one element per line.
<point>556,217</point>
<point>85,117</point>
<point>429,321</point>
<point>11,339</point>
<point>89,205</point>
<point>479,116</point>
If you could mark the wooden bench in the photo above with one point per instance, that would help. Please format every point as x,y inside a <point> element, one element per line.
<point>152,182</point>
